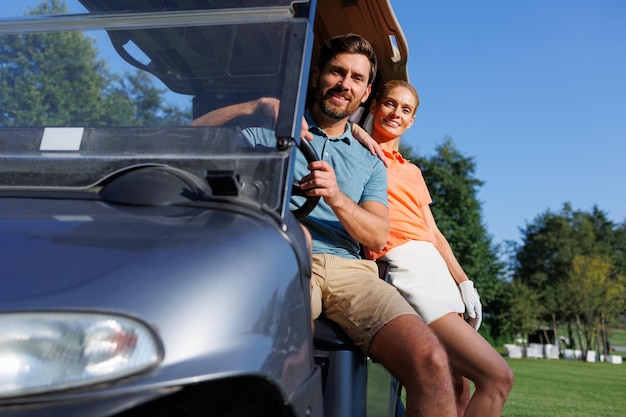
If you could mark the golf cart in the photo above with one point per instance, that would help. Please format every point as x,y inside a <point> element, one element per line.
<point>152,268</point>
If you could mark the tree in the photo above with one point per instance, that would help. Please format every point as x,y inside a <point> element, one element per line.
<point>544,259</point>
<point>56,79</point>
<point>559,258</point>
<point>40,74</point>
<point>618,247</point>
<point>137,97</point>
<point>597,296</point>
<point>522,310</point>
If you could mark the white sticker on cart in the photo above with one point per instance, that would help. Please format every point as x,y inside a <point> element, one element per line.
<point>61,139</point>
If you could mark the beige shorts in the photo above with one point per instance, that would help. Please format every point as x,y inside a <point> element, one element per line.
<point>350,293</point>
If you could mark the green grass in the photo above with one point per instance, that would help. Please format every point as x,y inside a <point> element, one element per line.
<point>555,388</point>
<point>562,388</point>
<point>378,385</point>
<point>617,337</point>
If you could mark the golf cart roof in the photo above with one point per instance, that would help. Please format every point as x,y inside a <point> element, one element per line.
<point>372,19</point>
<point>376,21</point>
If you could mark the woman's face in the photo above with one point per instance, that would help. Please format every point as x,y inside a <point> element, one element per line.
<point>393,114</point>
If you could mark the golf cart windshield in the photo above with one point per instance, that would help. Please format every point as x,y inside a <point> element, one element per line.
<point>90,89</point>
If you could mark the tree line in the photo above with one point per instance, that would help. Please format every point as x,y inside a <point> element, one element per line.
<point>572,266</point>
<point>568,272</point>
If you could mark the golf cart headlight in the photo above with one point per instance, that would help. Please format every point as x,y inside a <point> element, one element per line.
<point>42,352</point>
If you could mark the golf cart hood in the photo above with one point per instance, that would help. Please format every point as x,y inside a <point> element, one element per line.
<point>115,206</point>
<point>139,262</point>
<point>85,242</point>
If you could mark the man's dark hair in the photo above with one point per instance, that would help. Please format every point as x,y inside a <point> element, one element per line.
<point>351,44</point>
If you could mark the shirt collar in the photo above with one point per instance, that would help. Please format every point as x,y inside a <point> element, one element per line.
<point>396,156</point>
<point>314,128</point>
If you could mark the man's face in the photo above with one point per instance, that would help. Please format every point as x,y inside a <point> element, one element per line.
<point>342,85</point>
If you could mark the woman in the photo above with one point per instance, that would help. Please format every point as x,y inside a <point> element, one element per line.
<point>423,267</point>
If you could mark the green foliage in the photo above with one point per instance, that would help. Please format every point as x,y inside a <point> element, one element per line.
<point>522,310</point>
<point>617,337</point>
<point>136,95</point>
<point>597,296</point>
<point>553,239</point>
<point>56,79</point>
<point>574,260</point>
<point>617,243</point>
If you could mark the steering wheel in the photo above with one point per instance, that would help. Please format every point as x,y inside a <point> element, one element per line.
<point>311,201</point>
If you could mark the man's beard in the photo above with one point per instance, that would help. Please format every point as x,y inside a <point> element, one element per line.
<point>334,112</point>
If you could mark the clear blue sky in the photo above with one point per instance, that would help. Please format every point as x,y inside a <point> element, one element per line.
<point>534,91</point>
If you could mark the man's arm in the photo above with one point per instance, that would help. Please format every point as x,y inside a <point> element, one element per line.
<point>367,222</point>
<point>264,105</point>
<point>217,117</point>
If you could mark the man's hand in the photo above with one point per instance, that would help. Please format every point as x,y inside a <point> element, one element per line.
<point>471,299</point>
<point>267,106</point>
<point>321,182</point>
<point>368,222</point>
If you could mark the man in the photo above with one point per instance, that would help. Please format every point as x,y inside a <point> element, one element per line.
<point>353,211</point>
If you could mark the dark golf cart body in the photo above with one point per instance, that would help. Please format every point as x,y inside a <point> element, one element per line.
<point>156,269</point>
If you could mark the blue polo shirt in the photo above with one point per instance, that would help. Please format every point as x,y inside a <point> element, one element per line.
<point>360,175</point>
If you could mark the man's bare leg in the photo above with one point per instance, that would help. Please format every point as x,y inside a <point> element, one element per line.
<point>472,356</point>
<point>411,352</point>
<point>462,391</point>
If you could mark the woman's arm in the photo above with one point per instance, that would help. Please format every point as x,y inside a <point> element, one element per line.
<point>470,296</point>
<point>368,142</point>
<point>443,246</point>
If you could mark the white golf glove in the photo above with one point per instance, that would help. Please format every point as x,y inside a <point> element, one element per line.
<point>472,303</point>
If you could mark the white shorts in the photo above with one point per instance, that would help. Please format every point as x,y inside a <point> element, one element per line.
<point>421,275</point>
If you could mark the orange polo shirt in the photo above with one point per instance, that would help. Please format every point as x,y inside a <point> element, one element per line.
<point>407,193</point>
